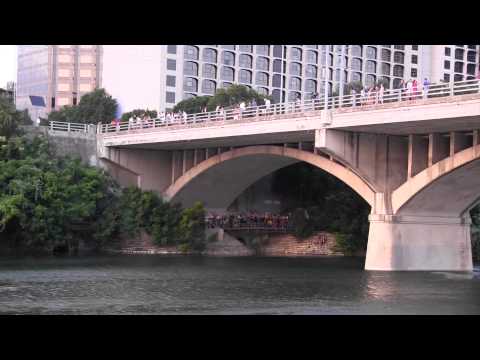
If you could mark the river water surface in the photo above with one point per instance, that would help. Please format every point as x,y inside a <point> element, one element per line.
<point>152,284</point>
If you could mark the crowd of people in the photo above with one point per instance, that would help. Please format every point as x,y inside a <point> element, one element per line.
<point>405,90</point>
<point>248,220</point>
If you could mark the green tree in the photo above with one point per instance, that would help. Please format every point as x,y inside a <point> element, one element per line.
<point>193,105</point>
<point>139,112</point>
<point>96,106</point>
<point>192,227</point>
<point>233,95</point>
<point>11,119</point>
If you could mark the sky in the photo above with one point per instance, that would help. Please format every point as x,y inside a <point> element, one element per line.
<point>8,64</point>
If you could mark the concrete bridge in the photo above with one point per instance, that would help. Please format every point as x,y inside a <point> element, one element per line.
<point>414,158</point>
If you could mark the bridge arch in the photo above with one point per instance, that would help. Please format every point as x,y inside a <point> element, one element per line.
<point>219,180</point>
<point>448,188</point>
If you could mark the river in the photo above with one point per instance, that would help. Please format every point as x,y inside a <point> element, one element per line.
<point>153,284</point>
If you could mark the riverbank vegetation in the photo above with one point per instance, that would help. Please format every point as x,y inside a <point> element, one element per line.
<point>320,202</point>
<point>50,202</point>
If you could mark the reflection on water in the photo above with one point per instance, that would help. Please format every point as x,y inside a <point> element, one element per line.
<point>251,285</point>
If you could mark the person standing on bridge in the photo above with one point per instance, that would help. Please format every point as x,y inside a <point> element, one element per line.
<point>414,89</point>
<point>242,108</point>
<point>267,106</point>
<point>362,97</point>
<point>426,86</point>
<point>380,94</point>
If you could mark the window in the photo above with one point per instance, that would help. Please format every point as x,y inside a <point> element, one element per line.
<point>295,69</point>
<point>191,52</point>
<point>190,68</point>
<point>188,96</point>
<point>385,69</point>
<point>245,76</point>
<point>293,95</point>
<point>398,57</point>
<point>210,55</point>
<point>457,77</point>
<point>370,80</point>
<point>277,96</point>
<point>337,75</point>
<point>262,63</point>
<point>459,54</point>
<point>228,58</point>
<point>413,72</point>
<point>172,49</point>
<point>356,76</point>
<point>295,83</point>
<point>277,80</point>
<point>228,73</point>
<point>396,83</point>
<point>414,59</point>
<point>228,47</point>
<point>310,85</point>
<point>245,48</point>
<point>415,47</point>
<point>471,56</point>
<point>312,57</point>
<point>458,66</point>
<point>446,64</point>
<point>171,80</point>
<point>371,66</point>
<point>245,61</point>
<point>190,84</point>
<point>371,52</point>
<point>386,55</point>
<point>446,77</point>
<point>171,64</point>
<point>208,87</point>
<point>357,50</point>
<point>209,71</point>
<point>399,47</point>
<point>170,97</point>
<point>398,71</point>
<point>226,85</point>
<point>296,54</point>
<point>262,90</point>
<point>277,51</point>
<point>447,51</point>
<point>262,49</point>
<point>311,71</point>
<point>385,81</point>
<point>356,64</point>
<point>471,69</point>
<point>277,65</point>
<point>262,79</point>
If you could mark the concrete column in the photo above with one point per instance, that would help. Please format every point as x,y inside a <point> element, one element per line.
<point>438,148</point>
<point>300,145</point>
<point>458,142</point>
<point>417,154</point>
<point>195,157</point>
<point>475,137</point>
<point>206,153</point>
<point>184,161</point>
<point>173,166</point>
<point>398,243</point>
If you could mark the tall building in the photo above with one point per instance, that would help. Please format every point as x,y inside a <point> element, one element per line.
<point>160,76</point>
<point>52,76</point>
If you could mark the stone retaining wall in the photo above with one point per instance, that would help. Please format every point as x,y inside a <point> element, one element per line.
<point>321,243</point>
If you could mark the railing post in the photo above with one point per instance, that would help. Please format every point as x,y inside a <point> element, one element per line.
<point>68,127</point>
<point>51,125</point>
<point>451,89</point>
<point>85,127</point>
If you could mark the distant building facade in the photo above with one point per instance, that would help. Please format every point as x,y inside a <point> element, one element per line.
<point>160,76</point>
<point>9,92</point>
<point>58,74</point>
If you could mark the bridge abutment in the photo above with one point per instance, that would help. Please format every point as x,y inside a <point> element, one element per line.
<point>418,243</point>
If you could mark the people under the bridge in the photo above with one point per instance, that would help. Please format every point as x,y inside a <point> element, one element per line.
<point>250,220</point>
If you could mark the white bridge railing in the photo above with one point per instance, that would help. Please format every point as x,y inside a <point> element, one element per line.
<point>70,127</point>
<point>357,102</point>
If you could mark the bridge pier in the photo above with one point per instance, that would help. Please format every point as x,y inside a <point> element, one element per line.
<point>399,243</point>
